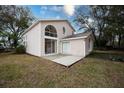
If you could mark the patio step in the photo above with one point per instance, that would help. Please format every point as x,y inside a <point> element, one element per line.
<point>67,60</point>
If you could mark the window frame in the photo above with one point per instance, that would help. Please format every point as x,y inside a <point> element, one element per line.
<point>50,30</point>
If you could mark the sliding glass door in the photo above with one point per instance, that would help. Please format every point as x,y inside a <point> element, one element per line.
<point>50,46</point>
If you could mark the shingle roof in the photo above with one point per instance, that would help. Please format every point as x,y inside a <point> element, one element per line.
<point>87,33</point>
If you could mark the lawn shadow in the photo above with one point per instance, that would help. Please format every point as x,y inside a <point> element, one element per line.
<point>108,55</point>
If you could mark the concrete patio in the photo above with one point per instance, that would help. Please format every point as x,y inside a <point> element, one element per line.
<point>66,60</point>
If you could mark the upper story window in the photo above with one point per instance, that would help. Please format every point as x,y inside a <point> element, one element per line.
<point>63,30</point>
<point>50,31</point>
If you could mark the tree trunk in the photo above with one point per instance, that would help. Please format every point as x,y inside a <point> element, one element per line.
<point>113,43</point>
<point>95,38</point>
<point>15,43</point>
<point>99,38</point>
<point>119,41</point>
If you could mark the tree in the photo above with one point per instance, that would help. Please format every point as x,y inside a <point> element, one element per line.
<point>92,21</point>
<point>13,21</point>
<point>99,13</point>
<point>82,20</point>
<point>115,23</point>
<point>107,23</point>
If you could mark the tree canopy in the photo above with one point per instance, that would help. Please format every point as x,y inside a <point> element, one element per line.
<point>13,21</point>
<point>105,22</point>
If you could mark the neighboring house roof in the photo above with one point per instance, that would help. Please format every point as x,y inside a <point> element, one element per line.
<point>79,35</point>
<point>50,20</point>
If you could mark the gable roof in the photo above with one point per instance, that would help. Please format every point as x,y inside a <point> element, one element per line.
<point>47,20</point>
<point>79,35</point>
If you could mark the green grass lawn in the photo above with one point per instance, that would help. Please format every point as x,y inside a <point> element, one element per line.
<point>96,70</point>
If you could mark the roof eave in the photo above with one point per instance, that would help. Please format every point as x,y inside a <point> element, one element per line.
<point>30,27</point>
<point>46,21</point>
<point>75,38</point>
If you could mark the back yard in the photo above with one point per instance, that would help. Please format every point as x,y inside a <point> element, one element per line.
<point>96,70</point>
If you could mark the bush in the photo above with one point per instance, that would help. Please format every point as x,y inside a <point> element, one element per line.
<point>1,48</point>
<point>20,49</point>
<point>121,59</point>
<point>102,43</point>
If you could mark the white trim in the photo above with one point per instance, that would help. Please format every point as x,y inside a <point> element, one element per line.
<point>75,38</point>
<point>50,54</point>
<point>90,46</point>
<point>82,37</point>
<point>49,37</point>
<point>68,47</point>
<point>56,51</point>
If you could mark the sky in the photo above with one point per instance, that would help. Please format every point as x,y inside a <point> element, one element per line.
<point>55,12</point>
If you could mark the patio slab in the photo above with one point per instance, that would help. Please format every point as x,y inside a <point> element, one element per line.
<point>65,60</point>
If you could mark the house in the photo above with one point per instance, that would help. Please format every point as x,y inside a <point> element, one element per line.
<point>50,37</point>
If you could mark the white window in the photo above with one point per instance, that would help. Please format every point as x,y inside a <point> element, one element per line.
<point>50,31</point>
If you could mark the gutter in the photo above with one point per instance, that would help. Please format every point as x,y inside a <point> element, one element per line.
<point>75,38</point>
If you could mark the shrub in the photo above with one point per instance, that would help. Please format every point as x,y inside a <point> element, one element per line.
<point>1,48</point>
<point>102,43</point>
<point>20,49</point>
<point>118,58</point>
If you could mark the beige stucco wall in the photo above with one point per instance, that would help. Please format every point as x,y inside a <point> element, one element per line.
<point>59,28</point>
<point>36,36</point>
<point>87,43</point>
<point>77,47</point>
<point>34,41</point>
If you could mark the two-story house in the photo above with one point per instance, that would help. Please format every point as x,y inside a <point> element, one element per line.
<point>49,37</point>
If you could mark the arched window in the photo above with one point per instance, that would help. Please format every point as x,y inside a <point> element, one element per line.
<point>50,31</point>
